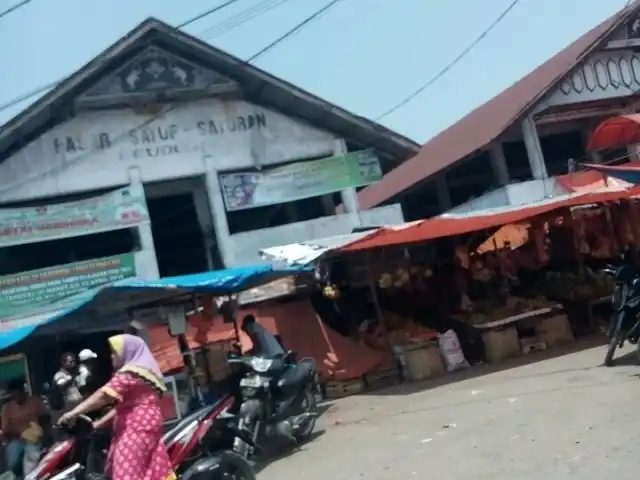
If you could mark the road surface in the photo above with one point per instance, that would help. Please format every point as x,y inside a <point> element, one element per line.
<point>557,418</point>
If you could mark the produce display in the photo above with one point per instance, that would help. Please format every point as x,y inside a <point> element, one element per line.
<point>478,313</point>
<point>404,330</point>
<point>578,286</point>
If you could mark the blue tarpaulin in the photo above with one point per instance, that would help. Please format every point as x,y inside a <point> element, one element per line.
<point>629,173</point>
<point>117,298</point>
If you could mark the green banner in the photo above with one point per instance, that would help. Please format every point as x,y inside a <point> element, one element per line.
<point>36,288</point>
<point>122,208</point>
<point>295,181</point>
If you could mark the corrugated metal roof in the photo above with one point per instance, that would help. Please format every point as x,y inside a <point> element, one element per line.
<point>488,121</point>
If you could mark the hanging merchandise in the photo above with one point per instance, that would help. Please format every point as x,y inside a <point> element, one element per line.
<point>539,234</point>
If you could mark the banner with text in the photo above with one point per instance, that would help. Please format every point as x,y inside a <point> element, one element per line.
<point>122,208</point>
<point>29,290</point>
<point>295,181</point>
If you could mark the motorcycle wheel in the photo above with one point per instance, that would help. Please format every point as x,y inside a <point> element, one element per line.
<point>310,405</point>
<point>248,421</point>
<point>614,341</point>
<point>236,467</point>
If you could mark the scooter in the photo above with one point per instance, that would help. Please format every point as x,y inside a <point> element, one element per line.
<point>194,445</point>
<point>624,323</point>
<point>278,400</point>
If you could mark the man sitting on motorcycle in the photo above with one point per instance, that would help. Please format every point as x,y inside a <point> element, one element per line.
<point>22,420</point>
<point>265,344</point>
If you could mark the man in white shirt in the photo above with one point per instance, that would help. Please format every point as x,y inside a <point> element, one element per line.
<point>85,370</point>
<point>66,381</point>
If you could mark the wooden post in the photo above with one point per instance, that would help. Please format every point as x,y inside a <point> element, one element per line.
<point>376,301</point>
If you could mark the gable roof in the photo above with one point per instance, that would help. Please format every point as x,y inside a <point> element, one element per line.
<point>485,123</point>
<point>257,86</point>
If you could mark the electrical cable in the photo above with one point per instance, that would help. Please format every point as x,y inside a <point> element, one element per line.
<point>299,26</point>
<point>449,66</point>
<point>49,86</point>
<point>306,21</point>
<point>241,18</point>
<point>15,7</point>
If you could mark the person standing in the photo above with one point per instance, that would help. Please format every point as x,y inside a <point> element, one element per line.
<point>137,451</point>
<point>22,423</point>
<point>86,378</point>
<point>67,383</point>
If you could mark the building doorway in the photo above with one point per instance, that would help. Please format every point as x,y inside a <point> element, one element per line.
<point>182,227</point>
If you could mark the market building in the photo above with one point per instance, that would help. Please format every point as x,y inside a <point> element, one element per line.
<point>223,159</point>
<point>508,150</point>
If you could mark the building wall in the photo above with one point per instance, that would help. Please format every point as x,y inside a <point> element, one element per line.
<point>245,246</point>
<point>97,150</point>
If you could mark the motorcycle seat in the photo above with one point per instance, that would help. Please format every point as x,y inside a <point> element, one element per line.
<point>297,374</point>
<point>198,415</point>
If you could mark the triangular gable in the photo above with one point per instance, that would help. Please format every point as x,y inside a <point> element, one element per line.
<point>156,69</point>
<point>257,87</point>
<point>488,121</point>
<point>612,70</point>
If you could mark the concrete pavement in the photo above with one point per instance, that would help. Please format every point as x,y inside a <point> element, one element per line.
<point>555,418</point>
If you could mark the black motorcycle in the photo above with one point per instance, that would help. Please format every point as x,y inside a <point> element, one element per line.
<point>277,400</point>
<point>624,324</point>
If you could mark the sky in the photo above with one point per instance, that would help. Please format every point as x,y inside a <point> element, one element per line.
<point>363,55</point>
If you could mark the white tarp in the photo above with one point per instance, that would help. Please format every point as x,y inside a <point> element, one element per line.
<point>304,253</point>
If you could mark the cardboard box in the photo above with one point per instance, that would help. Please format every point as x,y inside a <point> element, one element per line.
<point>500,344</point>
<point>423,363</point>
<point>554,330</point>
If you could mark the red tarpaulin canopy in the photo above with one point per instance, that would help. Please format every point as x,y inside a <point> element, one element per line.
<point>615,132</point>
<point>448,226</point>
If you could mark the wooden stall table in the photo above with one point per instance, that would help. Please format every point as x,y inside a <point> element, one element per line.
<point>581,313</point>
<point>502,340</point>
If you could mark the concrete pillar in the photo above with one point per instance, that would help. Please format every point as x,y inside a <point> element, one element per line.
<point>499,163</point>
<point>205,219</point>
<point>218,211</point>
<point>443,194</point>
<point>147,260</point>
<point>349,195</point>
<point>534,149</point>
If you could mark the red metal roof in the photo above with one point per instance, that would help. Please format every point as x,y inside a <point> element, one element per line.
<point>488,121</point>
<point>448,226</point>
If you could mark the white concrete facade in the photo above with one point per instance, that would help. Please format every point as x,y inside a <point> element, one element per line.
<point>109,149</point>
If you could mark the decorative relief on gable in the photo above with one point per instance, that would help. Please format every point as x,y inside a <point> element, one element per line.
<point>605,75</point>
<point>153,70</point>
<point>627,35</point>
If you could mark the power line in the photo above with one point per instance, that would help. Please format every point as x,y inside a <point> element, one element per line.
<point>124,135</point>
<point>51,85</point>
<point>450,65</point>
<point>241,18</point>
<point>15,7</point>
<point>311,18</point>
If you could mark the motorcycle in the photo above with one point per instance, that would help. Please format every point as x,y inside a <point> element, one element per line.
<point>277,400</point>
<point>624,323</point>
<point>197,446</point>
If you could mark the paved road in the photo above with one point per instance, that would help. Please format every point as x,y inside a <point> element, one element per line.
<point>553,419</point>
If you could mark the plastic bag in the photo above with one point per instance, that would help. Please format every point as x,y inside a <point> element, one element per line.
<point>451,351</point>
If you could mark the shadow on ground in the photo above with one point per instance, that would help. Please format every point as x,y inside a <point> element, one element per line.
<point>280,451</point>
<point>483,369</point>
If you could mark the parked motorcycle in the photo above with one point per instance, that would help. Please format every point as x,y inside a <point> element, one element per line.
<point>196,447</point>
<point>278,401</point>
<point>624,323</point>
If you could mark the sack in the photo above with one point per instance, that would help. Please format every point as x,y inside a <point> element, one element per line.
<point>33,433</point>
<point>451,351</point>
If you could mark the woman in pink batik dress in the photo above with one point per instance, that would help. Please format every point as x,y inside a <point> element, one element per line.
<point>137,451</point>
